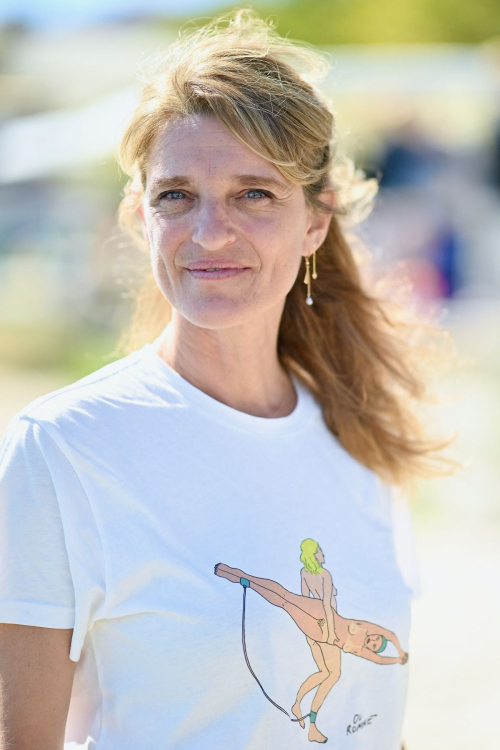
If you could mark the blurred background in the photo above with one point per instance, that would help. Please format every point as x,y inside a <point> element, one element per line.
<point>416,90</point>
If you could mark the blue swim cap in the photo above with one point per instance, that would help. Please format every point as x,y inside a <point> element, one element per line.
<point>382,647</point>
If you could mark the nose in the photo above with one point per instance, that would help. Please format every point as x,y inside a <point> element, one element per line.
<point>213,229</point>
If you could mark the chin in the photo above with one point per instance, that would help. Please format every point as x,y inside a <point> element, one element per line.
<point>217,314</point>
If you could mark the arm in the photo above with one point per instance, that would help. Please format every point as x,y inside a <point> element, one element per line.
<point>303,584</point>
<point>36,677</point>
<point>366,653</point>
<point>327,606</point>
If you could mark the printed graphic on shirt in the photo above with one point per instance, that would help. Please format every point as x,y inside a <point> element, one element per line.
<point>314,611</point>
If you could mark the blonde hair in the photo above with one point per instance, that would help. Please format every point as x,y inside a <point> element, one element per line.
<point>361,355</point>
<point>309,548</point>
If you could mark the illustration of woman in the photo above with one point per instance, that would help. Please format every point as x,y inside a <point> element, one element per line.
<point>311,615</point>
<point>315,580</point>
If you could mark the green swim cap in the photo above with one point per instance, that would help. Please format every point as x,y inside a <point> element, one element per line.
<point>382,647</point>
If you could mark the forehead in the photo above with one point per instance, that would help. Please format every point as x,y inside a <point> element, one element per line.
<point>202,146</point>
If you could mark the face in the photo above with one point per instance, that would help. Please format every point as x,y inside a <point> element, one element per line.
<point>320,556</point>
<point>373,642</point>
<point>210,199</point>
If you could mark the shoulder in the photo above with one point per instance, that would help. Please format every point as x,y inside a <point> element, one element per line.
<point>350,648</point>
<point>82,402</point>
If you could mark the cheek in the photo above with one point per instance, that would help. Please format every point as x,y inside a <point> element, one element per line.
<point>279,242</point>
<point>165,237</point>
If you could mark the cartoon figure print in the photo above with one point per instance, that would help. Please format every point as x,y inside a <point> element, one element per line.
<point>314,611</point>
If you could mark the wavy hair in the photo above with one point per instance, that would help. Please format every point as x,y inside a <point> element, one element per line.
<point>309,547</point>
<point>362,353</point>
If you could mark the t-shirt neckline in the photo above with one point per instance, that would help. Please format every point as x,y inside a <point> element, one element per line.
<point>297,419</point>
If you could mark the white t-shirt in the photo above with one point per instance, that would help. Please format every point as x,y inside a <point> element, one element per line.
<point>121,492</point>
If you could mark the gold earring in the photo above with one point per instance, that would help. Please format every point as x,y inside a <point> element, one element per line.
<point>307,277</point>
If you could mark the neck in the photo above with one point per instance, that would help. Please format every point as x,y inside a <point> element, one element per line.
<point>238,366</point>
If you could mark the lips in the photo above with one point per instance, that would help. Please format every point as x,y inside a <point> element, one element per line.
<point>220,264</point>
<point>223,273</point>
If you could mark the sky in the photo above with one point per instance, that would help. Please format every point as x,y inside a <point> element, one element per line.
<point>57,14</point>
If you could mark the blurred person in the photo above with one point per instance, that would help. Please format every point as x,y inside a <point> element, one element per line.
<point>416,213</point>
<point>494,156</point>
<point>409,157</point>
<point>246,413</point>
<point>445,252</point>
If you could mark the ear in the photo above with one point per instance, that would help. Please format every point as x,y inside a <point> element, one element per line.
<point>140,213</point>
<point>319,222</point>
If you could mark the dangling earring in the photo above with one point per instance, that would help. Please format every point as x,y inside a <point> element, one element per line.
<point>307,277</point>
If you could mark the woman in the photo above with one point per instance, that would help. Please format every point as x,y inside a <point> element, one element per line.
<point>316,581</point>
<point>245,413</point>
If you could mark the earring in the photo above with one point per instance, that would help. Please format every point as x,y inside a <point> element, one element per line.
<point>307,277</point>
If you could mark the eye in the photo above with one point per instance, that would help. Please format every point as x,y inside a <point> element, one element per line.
<point>260,194</point>
<point>173,194</point>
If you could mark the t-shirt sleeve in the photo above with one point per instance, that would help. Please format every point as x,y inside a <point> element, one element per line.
<point>50,558</point>
<point>35,580</point>
<point>404,542</point>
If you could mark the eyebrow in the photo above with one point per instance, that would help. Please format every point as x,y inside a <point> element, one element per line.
<point>164,183</point>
